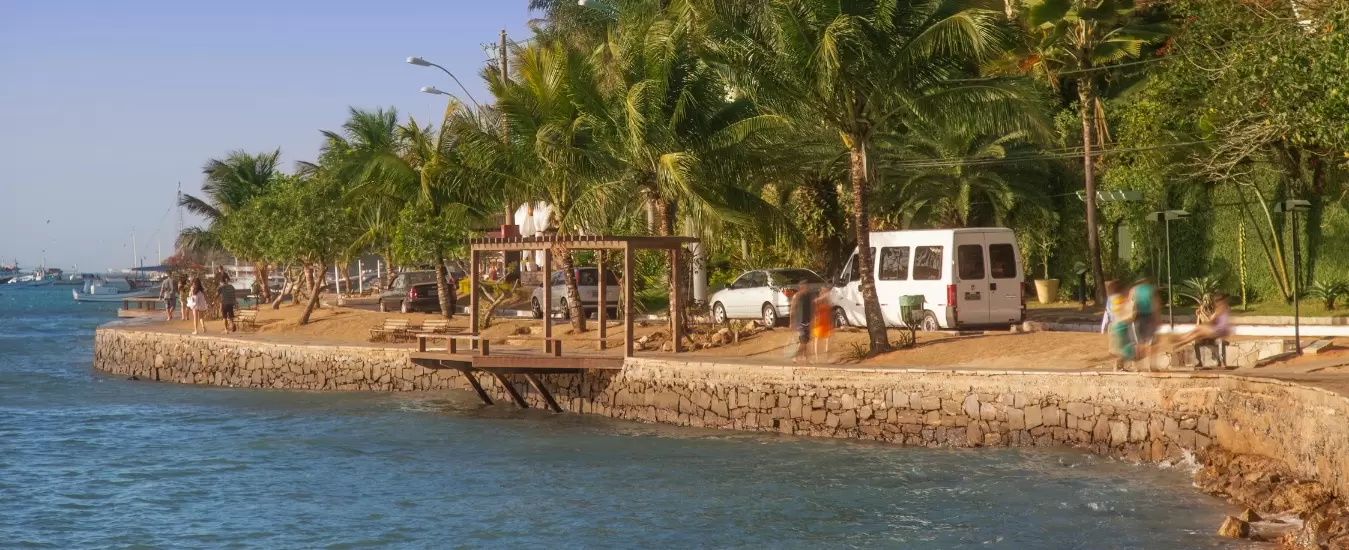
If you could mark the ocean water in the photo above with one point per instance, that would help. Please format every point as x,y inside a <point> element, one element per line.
<point>89,460</point>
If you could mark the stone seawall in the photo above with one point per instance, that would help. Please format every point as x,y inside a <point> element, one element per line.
<point>1150,417</point>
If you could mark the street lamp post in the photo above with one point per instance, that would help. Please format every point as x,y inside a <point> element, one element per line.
<point>414,60</point>
<point>1292,207</point>
<point>1165,218</point>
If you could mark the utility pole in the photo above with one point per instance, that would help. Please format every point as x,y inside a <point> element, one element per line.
<point>508,228</point>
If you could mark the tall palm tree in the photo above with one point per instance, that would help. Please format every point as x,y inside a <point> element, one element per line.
<point>1075,39</point>
<point>407,165</point>
<point>545,150</point>
<point>230,183</point>
<point>856,69</point>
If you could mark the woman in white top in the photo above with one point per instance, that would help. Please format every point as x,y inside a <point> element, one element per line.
<point>197,303</point>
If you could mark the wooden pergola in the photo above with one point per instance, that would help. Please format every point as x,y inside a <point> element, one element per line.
<point>599,243</point>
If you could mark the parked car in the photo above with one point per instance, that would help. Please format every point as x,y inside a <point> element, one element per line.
<point>587,285</point>
<point>764,294</point>
<point>409,292</point>
<point>967,277</point>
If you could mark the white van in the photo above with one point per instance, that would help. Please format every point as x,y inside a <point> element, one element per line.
<point>968,277</point>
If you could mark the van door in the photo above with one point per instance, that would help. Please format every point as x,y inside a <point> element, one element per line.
<point>848,296</point>
<point>1005,279</point>
<point>971,280</point>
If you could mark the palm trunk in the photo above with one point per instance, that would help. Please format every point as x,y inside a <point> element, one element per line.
<point>316,286</point>
<point>260,275</point>
<point>574,309</point>
<point>1084,94</point>
<point>287,286</point>
<point>665,213</point>
<point>861,179</point>
<point>443,292</point>
<point>389,273</point>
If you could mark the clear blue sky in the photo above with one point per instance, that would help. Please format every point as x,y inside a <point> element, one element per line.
<point>105,106</point>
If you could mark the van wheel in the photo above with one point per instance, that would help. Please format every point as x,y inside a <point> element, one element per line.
<point>403,307</point>
<point>929,323</point>
<point>770,315</point>
<point>840,318</point>
<point>534,307</point>
<point>718,314</point>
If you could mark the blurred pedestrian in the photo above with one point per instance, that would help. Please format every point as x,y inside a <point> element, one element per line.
<point>1147,313</point>
<point>802,311</point>
<point>1116,324</point>
<point>184,294</point>
<point>822,325</point>
<point>228,302</point>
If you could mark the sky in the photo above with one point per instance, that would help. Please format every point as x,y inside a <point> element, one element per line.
<point>106,106</point>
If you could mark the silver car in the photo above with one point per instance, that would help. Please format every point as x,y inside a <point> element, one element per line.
<point>763,294</point>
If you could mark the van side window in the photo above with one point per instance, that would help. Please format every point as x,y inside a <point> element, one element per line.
<point>853,269</point>
<point>927,263</point>
<point>1002,261</point>
<point>970,262</point>
<point>894,263</point>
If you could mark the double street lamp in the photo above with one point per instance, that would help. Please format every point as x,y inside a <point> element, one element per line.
<point>1165,218</point>
<point>414,60</point>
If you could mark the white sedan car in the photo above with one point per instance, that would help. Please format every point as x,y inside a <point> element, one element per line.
<point>587,285</point>
<point>763,294</point>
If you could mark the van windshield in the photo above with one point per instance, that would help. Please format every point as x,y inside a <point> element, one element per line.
<point>788,277</point>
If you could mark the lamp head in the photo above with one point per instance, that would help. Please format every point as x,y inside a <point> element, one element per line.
<point>414,60</point>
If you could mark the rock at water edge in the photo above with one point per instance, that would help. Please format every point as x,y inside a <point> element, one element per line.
<point>1234,528</point>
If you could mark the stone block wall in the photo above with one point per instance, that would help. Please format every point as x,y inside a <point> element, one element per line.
<point>1154,416</point>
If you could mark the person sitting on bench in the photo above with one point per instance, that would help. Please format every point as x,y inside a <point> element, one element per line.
<point>1210,329</point>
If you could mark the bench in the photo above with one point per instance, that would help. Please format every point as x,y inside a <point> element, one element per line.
<point>246,317</point>
<point>484,345</point>
<point>393,327</point>
<point>433,326</point>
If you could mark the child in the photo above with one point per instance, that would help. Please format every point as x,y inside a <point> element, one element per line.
<point>822,324</point>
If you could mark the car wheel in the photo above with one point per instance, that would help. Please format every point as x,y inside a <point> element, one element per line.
<point>534,306</point>
<point>403,307</point>
<point>770,315</point>
<point>840,318</point>
<point>718,314</point>
<point>929,322</point>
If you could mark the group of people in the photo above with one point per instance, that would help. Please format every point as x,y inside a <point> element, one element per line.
<point>192,296</point>
<point>1131,320</point>
<point>810,316</point>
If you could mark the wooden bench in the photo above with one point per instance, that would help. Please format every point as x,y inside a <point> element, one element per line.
<point>246,317</point>
<point>394,327</point>
<point>433,326</point>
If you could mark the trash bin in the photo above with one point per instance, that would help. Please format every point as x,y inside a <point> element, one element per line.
<point>911,309</point>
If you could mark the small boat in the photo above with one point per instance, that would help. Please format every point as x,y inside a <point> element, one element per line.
<point>113,290</point>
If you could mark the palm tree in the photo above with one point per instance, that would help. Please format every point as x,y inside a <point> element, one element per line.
<point>857,70</point>
<point>1078,38</point>
<point>410,166</point>
<point>545,150</point>
<point>951,177</point>
<point>230,183</point>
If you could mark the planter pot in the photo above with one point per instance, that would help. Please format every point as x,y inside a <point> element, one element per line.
<point>1047,290</point>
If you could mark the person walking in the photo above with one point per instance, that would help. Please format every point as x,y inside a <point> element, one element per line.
<point>1147,314</point>
<point>168,291</point>
<point>197,303</point>
<point>228,302</point>
<point>821,326</point>
<point>802,311</point>
<point>1116,323</point>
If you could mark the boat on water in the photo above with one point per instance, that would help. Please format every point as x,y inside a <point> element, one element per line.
<point>113,290</point>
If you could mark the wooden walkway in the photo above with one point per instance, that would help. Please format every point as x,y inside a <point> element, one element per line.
<point>522,361</point>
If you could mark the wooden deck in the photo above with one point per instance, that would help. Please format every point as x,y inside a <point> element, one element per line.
<point>528,362</point>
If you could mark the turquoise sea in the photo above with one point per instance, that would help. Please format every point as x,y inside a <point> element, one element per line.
<point>89,460</point>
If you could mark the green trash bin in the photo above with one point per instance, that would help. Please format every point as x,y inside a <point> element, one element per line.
<point>911,309</point>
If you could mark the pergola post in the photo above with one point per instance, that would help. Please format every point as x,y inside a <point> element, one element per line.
<point>604,302</point>
<point>627,300</point>
<point>676,324</point>
<point>473,295</point>
<point>548,299</point>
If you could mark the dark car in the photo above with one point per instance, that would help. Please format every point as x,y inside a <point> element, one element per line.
<point>412,291</point>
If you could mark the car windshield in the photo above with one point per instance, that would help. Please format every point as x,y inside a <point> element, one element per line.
<point>419,277</point>
<point>785,277</point>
